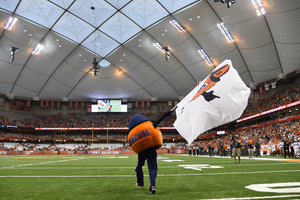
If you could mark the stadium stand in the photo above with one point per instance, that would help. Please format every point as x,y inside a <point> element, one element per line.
<point>269,133</point>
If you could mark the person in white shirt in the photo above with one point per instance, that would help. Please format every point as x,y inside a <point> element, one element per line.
<point>295,145</point>
<point>281,146</point>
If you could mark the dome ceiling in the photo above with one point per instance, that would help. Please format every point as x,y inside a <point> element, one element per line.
<point>121,35</point>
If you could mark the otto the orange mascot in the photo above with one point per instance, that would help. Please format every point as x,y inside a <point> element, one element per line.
<point>144,138</point>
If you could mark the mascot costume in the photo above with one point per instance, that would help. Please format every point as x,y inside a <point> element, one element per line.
<point>144,138</point>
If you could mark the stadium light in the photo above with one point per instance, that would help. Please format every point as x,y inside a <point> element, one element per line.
<point>167,53</point>
<point>158,46</point>
<point>205,57</point>
<point>38,48</point>
<point>177,26</point>
<point>12,53</point>
<point>229,2</point>
<point>10,23</point>
<point>225,32</point>
<point>96,67</point>
<point>260,10</point>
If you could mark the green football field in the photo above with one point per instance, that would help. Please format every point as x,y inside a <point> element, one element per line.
<point>179,177</point>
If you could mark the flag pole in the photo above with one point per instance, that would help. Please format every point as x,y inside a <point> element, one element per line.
<point>172,109</point>
<point>92,134</point>
<point>107,125</point>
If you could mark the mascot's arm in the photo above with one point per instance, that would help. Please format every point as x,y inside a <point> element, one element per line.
<point>166,114</point>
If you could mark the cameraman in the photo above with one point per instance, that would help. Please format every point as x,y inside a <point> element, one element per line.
<point>236,148</point>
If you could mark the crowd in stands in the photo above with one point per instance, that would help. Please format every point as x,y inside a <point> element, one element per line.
<point>268,136</point>
<point>271,134</point>
<point>291,95</point>
<point>77,120</point>
<point>89,120</point>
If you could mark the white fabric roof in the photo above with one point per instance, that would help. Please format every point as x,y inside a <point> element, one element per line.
<point>123,32</point>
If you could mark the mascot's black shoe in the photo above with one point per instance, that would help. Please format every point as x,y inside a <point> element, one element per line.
<point>152,189</point>
<point>137,185</point>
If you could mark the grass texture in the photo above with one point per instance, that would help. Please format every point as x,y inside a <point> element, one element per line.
<point>112,177</point>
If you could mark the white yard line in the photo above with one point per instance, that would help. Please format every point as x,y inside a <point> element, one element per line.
<point>47,162</point>
<point>55,168</point>
<point>133,165</point>
<point>263,197</point>
<point>163,175</point>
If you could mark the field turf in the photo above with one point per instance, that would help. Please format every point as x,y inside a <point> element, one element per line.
<point>179,177</point>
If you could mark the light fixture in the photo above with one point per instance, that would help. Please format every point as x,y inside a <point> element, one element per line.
<point>120,71</point>
<point>12,53</point>
<point>37,49</point>
<point>10,23</point>
<point>225,32</point>
<point>158,46</point>
<point>229,2</point>
<point>177,26</point>
<point>165,50</point>
<point>260,10</point>
<point>205,57</point>
<point>96,67</point>
<point>167,53</point>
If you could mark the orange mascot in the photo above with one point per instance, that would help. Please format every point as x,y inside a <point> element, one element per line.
<point>144,138</point>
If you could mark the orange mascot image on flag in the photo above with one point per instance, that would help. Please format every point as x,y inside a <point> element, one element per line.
<point>220,98</point>
<point>142,134</point>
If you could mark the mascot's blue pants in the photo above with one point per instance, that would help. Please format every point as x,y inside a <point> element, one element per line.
<point>150,155</point>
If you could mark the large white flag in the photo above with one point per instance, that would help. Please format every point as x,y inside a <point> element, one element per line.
<point>220,98</point>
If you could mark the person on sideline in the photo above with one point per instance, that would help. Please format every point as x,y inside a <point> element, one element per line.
<point>281,146</point>
<point>251,150</point>
<point>257,146</point>
<point>236,148</point>
<point>286,145</point>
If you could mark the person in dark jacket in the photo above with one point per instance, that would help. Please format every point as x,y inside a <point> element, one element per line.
<point>236,148</point>
<point>251,150</point>
<point>286,146</point>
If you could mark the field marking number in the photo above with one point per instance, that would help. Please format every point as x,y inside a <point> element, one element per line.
<point>289,187</point>
<point>199,167</point>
